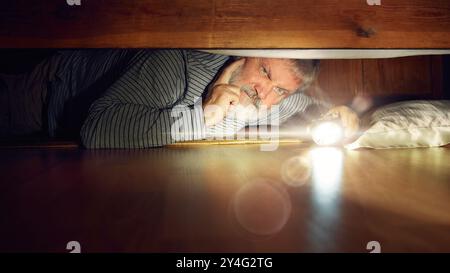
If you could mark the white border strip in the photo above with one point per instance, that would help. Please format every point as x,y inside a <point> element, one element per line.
<point>329,53</point>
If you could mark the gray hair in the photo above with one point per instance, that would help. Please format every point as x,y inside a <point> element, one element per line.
<point>307,70</point>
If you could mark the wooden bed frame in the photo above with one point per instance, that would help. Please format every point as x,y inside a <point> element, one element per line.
<point>225,24</point>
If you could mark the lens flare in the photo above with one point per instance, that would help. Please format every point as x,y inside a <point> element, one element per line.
<point>296,171</point>
<point>262,207</point>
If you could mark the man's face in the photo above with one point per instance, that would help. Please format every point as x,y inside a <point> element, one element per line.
<point>267,81</point>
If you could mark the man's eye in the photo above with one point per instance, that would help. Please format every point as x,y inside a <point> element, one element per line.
<point>280,91</point>
<point>264,72</point>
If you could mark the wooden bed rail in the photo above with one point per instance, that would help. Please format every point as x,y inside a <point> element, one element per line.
<point>225,24</point>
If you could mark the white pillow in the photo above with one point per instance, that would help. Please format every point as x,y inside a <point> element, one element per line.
<point>418,123</point>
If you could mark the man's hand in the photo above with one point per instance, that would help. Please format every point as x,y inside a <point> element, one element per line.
<point>222,95</point>
<point>348,117</point>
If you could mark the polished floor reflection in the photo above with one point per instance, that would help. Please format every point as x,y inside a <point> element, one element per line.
<point>225,198</point>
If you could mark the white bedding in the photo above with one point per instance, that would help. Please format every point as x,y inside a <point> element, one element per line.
<point>407,124</point>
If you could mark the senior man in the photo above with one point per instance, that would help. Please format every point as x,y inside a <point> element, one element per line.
<point>135,98</point>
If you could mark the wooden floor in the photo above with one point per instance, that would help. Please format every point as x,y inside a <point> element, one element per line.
<point>225,199</point>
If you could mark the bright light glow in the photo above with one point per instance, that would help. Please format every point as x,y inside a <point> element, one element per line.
<point>327,165</point>
<point>327,171</point>
<point>327,133</point>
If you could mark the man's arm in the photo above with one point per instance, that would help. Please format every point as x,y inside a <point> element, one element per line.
<point>144,107</point>
<point>300,104</point>
<point>314,108</point>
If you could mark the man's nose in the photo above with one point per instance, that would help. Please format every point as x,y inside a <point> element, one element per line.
<point>264,91</point>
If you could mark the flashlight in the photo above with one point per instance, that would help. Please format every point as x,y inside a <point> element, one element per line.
<point>327,130</point>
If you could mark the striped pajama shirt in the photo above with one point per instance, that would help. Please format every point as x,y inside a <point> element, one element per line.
<point>144,98</point>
